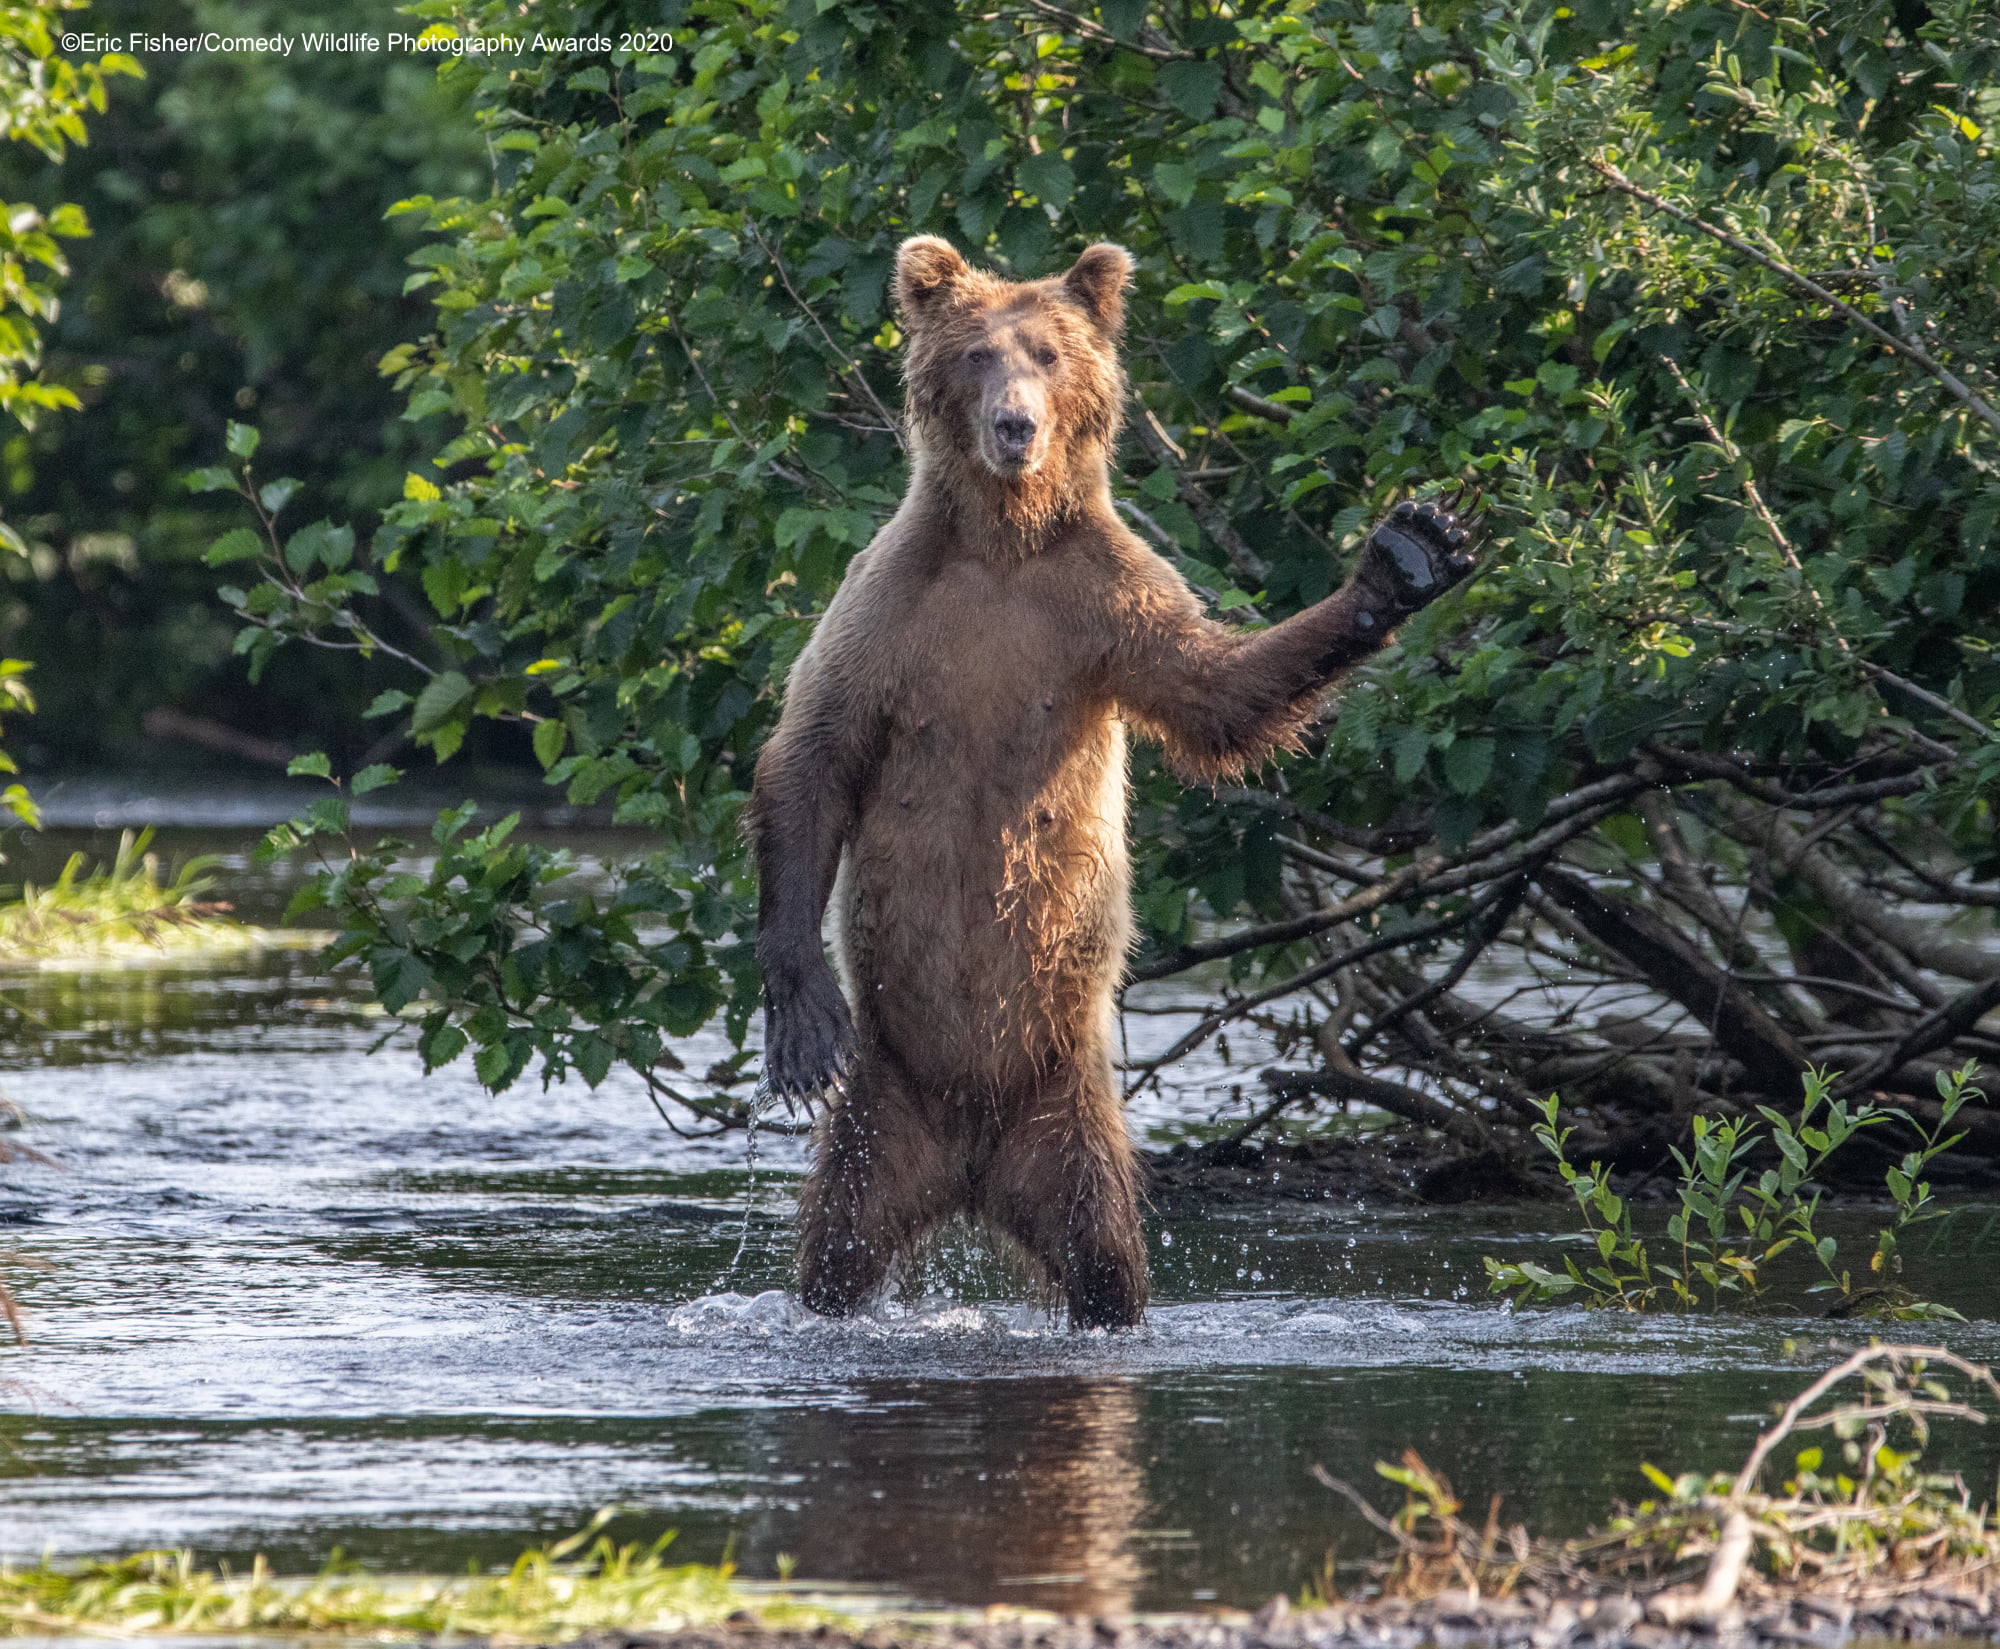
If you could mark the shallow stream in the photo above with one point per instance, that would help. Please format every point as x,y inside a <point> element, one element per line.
<point>306,1300</point>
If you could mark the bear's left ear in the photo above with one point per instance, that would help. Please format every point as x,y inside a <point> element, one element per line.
<point>1096,284</point>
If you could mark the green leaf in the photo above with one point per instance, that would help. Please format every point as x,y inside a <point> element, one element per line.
<point>398,977</point>
<point>493,1065</point>
<point>1048,178</point>
<point>550,737</point>
<point>446,740</point>
<point>322,542</point>
<point>238,544</point>
<point>427,403</point>
<point>241,439</point>
<point>593,1057</point>
<point>441,1046</point>
<point>1467,764</point>
<point>373,777</point>
<point>441,699</point>
<point>1192,88</point>
<point>1177,182</point>
<point>275,495</point>
<point>314,766</point>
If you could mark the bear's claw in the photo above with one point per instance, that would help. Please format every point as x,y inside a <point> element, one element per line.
<point>1417,554</point>
<point>808,1043</point>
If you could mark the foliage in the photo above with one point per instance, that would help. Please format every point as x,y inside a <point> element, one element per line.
<point>1729,1228</point>
<point>239,260</point>
<point>122,905</point>
<point>43,98</point>
<point>548,1594</point>
<point>1741,566</point>
<point>1878,1518</point>
<point>16,698</point>
<point>491,923</point>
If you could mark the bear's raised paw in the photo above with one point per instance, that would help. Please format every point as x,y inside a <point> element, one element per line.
<point>1415,555</point>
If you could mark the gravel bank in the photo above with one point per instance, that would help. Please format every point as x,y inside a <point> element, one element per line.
<point>1449,1621</point>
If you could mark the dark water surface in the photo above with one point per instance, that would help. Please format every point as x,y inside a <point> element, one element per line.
<point>306,1299</point>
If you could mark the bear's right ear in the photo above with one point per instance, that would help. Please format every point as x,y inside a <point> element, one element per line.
<point>926,270</point>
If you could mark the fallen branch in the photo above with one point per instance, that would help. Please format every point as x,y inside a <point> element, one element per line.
<point>1771,1056</point>
<point>1430,876</point>
<point>1407,1103</point>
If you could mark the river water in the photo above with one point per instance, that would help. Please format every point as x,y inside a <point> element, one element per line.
<point>306,1300</point>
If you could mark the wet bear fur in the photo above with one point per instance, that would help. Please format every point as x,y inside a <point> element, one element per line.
<point>950,771</point>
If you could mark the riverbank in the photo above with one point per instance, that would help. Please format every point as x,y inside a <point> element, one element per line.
<point>1375,1167</point>
<point>1451,1620</point>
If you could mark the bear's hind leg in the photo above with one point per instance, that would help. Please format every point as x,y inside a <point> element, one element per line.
<point>1064,1184</point>
<point>879,1181</point>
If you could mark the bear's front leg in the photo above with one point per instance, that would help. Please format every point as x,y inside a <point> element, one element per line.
<point>1414,555</point>
<point>808,1031</point>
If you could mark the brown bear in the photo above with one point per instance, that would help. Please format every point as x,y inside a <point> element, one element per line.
<point>950,770</point>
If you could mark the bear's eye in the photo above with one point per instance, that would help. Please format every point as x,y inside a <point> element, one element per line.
<point>979,357</point>
<point>1046,356</point>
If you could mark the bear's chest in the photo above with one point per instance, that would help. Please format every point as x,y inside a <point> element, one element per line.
<point>992,666</point>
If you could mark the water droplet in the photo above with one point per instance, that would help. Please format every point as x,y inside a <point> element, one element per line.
<point>1166,1239</point>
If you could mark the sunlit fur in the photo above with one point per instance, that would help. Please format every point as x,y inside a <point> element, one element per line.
<point>953,741</point>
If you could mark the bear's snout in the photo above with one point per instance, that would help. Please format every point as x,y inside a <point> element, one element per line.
<point>1015,431</point>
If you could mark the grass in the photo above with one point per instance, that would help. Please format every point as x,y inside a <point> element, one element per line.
<point>120,910</point>
<point>1863,1519</point>
<point>548,1595</point>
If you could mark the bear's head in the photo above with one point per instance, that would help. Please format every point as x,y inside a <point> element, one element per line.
<point>1014,389</point>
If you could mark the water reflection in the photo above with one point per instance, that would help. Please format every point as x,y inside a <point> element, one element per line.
<point>1033,1500</point>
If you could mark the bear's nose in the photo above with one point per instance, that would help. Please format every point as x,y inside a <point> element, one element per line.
<point>1015,429</point>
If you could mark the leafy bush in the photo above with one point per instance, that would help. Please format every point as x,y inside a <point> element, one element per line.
<point>43,99</point>
<point>1703,296</point>
<point>1729,1229</point>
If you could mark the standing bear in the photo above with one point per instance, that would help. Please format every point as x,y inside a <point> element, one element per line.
<point>950,771</point>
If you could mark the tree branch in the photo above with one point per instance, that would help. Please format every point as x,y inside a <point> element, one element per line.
<point>1784,271</point>
<point>1213,518</point>
<point>1431,876</point>
<point>1935,1030</point>
<point>1771,1056</point>
<point>1407,1103</point>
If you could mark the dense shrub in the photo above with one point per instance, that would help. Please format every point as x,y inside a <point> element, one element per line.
<point>1701,295</point>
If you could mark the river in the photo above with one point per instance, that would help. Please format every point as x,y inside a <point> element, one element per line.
<point>306,1300</point>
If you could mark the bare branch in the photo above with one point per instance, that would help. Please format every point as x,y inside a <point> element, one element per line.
<point>1429,876</point>
<point>1407,1103</point>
